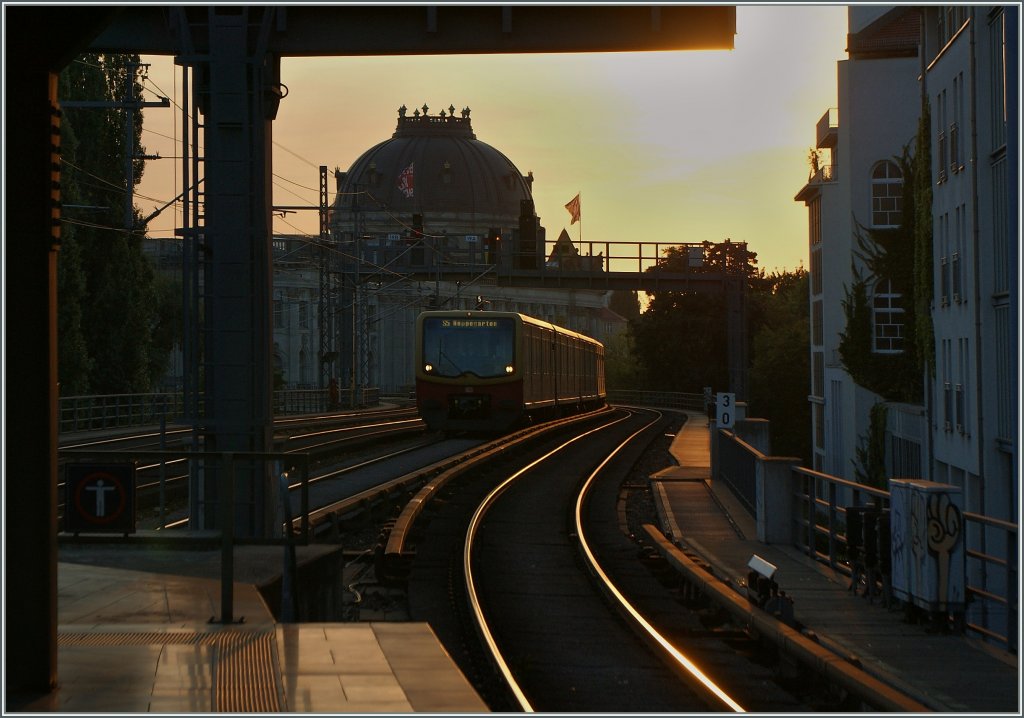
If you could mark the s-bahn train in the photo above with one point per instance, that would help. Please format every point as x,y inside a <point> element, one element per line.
<point>491,371</point>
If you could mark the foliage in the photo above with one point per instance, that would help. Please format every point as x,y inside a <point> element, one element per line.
<point>624,303</point>
<point>886,254</point>
<point>107,305</point>
<point>680,343</point>
<point>869,464</point>
<point>73,361</point>
<point>780,369</point>
<point>622,371</point>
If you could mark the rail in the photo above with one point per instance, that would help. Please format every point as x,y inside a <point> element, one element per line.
<point>818,510</point>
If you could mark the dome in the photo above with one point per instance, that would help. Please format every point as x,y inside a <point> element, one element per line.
<point>434,166</point>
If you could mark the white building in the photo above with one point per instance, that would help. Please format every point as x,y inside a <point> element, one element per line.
<point>856,182</point>
<point>966,431</point>
<point>971,84</point>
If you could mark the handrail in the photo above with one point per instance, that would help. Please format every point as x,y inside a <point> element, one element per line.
<point>819,514</point>
<point>226,534</point>
<point>819,503</point>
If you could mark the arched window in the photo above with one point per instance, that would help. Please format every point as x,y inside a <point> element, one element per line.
<point>886,194</point>
<point>887,319</point>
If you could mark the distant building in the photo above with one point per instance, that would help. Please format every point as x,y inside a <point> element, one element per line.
<point>432,196</point>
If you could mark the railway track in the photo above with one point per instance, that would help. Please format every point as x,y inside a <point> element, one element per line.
<point>525,569</point>
<point>162,470</point>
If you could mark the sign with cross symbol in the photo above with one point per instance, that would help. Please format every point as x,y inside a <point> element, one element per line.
<point>99,498</point>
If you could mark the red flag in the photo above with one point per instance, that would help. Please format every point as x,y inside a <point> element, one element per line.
<point>405,184</point>
<point>574,209</point>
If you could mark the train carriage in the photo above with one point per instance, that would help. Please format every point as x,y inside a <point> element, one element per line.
<point>490,371</point>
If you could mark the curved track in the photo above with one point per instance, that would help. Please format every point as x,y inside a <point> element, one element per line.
<point>528,575</point>
<point>559,646</point>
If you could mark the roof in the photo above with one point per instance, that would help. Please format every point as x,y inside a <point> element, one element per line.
<point>435,164</point>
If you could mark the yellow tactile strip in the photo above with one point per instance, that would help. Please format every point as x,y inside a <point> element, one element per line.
<point>243,666</point>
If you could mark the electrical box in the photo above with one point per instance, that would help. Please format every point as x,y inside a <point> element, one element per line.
<point>928,553</point>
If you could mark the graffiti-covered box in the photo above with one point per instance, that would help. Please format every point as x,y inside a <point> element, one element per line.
<point>928,556</point>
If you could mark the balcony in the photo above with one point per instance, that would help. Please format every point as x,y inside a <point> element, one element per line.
<point>828,129</point>
<point>826,174</point>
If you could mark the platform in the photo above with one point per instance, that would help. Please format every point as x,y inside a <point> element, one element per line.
<point>140,641</point>
<point>944,672</point>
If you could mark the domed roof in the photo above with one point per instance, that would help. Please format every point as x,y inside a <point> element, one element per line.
<point>434,164</point>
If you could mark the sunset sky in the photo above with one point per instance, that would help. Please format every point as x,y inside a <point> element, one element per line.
<point>667,146</point>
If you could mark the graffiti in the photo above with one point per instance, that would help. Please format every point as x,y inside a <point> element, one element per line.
<point>944,525</point>
<point>927,544</point>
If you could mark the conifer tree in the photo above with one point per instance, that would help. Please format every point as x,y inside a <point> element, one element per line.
<point>106,301</point>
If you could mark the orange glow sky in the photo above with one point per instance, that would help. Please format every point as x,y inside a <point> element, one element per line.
<point>668,147</point>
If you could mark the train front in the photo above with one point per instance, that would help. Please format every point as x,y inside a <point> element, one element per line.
<point>466,373</point>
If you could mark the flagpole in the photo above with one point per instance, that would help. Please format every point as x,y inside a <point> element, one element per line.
<point>580,195</point>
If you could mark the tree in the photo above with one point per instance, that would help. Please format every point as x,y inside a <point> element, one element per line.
<point>107,306</point>
<point>889,257</point>
<point>693,325</point>
<point>780,369</point>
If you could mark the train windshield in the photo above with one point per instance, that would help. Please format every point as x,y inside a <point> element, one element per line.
<point>454,346</point>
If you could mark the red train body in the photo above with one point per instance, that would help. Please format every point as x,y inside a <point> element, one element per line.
<point>491,371</point>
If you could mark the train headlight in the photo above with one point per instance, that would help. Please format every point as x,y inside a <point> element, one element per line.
<point>428,368</point>
<point>509,369</point>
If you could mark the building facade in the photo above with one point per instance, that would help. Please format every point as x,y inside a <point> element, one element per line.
<point>856,186</point>
<point>965,431</point>
<point>431,200</point>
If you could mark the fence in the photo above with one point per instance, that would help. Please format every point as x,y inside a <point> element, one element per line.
<point>112,411</point>
<point>109,411</point>
<point>659,399</point>
<point>225,466</point>
<point>814,505</point>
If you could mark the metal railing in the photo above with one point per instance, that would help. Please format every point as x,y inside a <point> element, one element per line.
<point>112,411</point>
<point>737,467</point>
<point>658,399</point>
<point>225,465</point>
<point>820,502</point>
<point>819,523</point>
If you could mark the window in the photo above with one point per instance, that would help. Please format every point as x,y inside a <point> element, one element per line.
<point>955,160</point>
<point>961,386</point>
<point>950,20</point>
<point>815,221</point>
<point>940,116</point>
<point>816,279</point>
<point>1005,395</point>
<point>886,194</point>
<point>904,457</point>
<point>1002,240</point>
<point>958,248</point>
<point>818,374</point>
<point>997,41</point>
<point>944,267</point>
<point>947,384</point>
<point>817,323</point>
<point>888,319</point>
<point>304,315</point>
